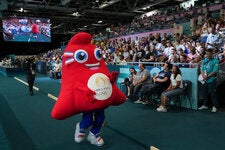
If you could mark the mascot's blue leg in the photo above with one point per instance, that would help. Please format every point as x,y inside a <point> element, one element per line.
<point>99,118</point>
<point>94,119</point>
<point>87,121</point>
<point>93,136</point>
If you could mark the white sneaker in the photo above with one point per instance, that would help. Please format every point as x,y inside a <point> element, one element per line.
<point>95,141</point>
<point>78,137</point>
<point>145,102</point>
<point>161,109</point>
<point>138,101</point>
<point>214,109</point>
<point>203,107</point>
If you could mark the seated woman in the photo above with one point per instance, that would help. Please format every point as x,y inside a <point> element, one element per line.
<point>128,81</point>
<point>175,88</point>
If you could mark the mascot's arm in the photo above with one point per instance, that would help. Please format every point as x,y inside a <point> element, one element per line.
<point>113,76</point>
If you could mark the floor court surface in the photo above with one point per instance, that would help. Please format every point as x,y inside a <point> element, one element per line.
<point>26,124</point>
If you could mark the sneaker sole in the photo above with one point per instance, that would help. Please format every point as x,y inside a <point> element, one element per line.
<point>89,140</point>
<point>76,139</point>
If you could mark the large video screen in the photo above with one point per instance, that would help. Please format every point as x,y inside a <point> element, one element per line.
<point>26,29</point>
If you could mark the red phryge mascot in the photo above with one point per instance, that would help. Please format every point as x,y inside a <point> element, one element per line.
<point>87,87</point>
<point>34,32</point>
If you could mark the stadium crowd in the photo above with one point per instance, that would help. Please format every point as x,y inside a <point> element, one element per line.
<point>207,32</point>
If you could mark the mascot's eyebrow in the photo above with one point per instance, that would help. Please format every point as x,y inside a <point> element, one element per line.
<point>68,54</point>
<point>70,59</point>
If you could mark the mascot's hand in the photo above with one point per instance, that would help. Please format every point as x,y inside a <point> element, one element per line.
<point>90,95</point>
<point>113,76</point>
<point>86,92</point>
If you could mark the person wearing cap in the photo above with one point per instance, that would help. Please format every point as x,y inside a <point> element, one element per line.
<point>209,70</point>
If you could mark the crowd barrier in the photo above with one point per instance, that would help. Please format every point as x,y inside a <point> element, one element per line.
<point>10,71</point>
<point>41,67</point>
<point>190,74</point>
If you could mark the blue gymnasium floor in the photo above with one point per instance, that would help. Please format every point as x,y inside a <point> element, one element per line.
<point>25,123</point>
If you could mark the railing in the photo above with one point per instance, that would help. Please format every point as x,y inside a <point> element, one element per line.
<point>221,75</point>
<point>158,64</point>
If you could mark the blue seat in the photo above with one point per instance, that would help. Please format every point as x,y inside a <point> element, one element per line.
<point>178,98</point>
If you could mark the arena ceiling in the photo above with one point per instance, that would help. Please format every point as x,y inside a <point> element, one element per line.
<point>71,16</point>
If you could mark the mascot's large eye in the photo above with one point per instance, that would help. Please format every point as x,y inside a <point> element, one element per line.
<point>98,54</point>
<point>81,56</point>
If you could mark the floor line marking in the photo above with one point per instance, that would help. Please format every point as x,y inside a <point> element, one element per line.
<point>34,87</point>
<point>52,96</point>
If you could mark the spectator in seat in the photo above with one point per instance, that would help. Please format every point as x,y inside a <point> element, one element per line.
<point>183,61</point>
<point>167,50</point>
<point>159,47</point>
<point>191,56</point>
<point>142,77</point>
<point>160,82</point>
<point>128,81</point>
<point>201,51</point>
<point>204,33</point>
<point>214,39</point>
<point>221,56</point>
<point>149,56</point>
<point>56,72</point>
<point>175,87</point>
<point>197,60</point>
<point>173,53</point>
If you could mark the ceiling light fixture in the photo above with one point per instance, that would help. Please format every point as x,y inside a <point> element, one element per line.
<point>21,9</point>
<point>76,13</point>
<point>108,3</point>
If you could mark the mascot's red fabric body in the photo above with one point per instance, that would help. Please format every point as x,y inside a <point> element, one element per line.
<point>87,84</point>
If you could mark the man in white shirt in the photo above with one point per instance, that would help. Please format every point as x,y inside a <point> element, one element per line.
<point>167,50</point>
<point>159,47</point>
<point>214,40</point>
